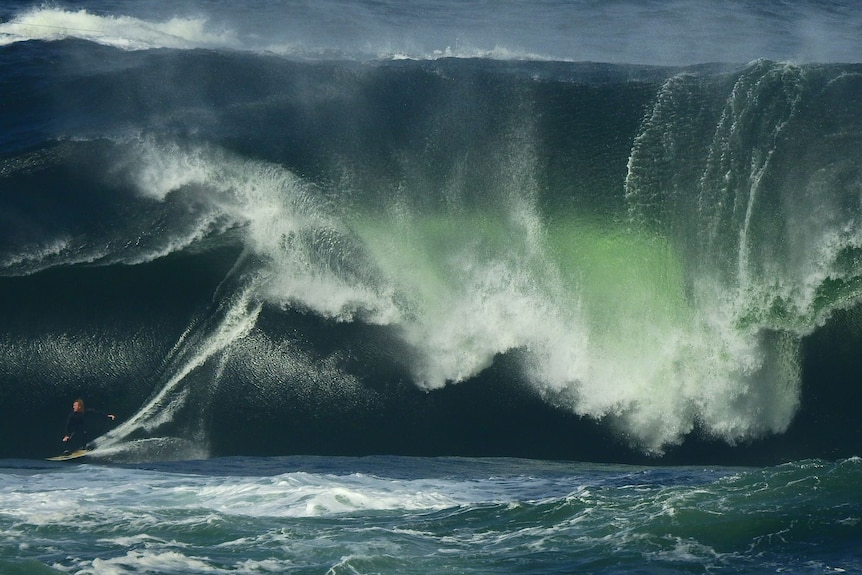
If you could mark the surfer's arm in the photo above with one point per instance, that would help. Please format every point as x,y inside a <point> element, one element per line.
<point>110,416</point>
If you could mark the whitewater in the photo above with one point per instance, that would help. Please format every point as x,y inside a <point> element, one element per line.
<point>373,287</point>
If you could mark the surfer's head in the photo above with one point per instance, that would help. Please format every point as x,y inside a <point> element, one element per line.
<point>78,405</point>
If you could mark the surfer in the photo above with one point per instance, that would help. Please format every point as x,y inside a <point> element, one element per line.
<point>75,429</point>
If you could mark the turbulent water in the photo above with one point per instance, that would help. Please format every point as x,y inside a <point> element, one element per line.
<point>620,233</point>
<point>425,515</point>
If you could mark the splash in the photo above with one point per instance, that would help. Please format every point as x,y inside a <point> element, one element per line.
<point>756,206</point>
<point>597,314</point>
<point>201,345</point>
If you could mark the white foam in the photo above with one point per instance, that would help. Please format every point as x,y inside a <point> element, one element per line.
<point>311,255</point>
<point>491,308</point>
<point>305,495</point>
<point>138,498</point>
<point>152,562</point>
<point>124,32</point>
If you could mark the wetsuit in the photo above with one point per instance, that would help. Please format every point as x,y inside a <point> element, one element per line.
<point>75,428</point>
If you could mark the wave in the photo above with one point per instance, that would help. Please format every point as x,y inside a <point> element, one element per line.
<point>644,248</point>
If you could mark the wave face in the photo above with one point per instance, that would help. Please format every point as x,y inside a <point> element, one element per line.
<point>247,252</point>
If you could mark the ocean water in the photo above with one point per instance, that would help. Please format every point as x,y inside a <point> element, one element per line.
<point>389,514</point>
<point>387,287</point>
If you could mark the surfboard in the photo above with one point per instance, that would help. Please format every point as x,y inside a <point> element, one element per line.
<point>68,456</point>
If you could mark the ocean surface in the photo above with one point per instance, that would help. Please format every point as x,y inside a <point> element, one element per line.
<point>387,514</point>
<point>433,286</point>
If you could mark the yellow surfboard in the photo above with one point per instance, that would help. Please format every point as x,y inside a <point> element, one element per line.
<point>73,455</point>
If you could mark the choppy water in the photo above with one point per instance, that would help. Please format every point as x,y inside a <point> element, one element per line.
<point>428,515</point>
